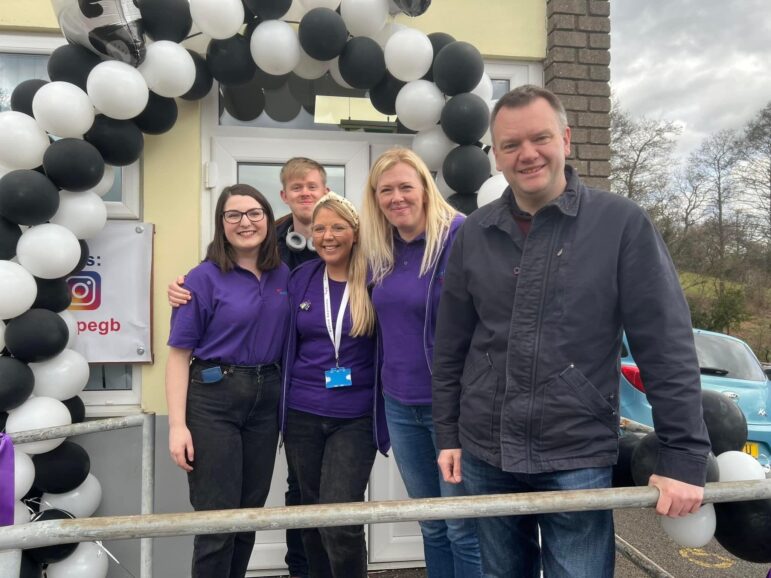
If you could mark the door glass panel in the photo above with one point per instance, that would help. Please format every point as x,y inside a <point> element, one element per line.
<point>265,178</point>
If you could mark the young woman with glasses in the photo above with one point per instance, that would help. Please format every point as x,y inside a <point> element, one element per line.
<point>223,373</point>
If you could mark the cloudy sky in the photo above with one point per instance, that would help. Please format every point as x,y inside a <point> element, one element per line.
<point>705,64</point>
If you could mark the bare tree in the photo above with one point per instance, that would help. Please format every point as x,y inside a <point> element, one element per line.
<point>754,170</point>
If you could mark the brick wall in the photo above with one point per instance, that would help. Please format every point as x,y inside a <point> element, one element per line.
<point>577,69</point>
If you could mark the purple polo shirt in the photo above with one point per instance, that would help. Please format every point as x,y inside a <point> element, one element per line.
<point>233,317</point>
<point>400,304</point>
<point>316,354</point>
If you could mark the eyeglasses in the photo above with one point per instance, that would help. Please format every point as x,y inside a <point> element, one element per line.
<point>336,230</point>
<point>234,217</point>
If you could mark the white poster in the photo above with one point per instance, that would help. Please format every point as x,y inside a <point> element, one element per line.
<point>111,295</point>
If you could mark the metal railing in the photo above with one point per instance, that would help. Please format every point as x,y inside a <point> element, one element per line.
<point>146,421</point>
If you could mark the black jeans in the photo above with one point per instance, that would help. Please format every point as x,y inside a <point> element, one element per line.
<point>234,425</point>
<point>332,458</point>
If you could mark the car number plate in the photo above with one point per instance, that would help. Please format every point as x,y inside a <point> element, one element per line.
<point>752,449</point>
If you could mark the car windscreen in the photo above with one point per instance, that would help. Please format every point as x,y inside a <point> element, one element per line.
<point>726,355</point>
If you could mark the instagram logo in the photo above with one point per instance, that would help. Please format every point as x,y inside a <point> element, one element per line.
<point>86,291</point>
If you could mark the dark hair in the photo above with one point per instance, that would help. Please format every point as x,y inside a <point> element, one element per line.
<point>220,252</point>
<point>524,95</point>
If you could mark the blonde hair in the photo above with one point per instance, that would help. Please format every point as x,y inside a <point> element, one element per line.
<point>362,312</point>
<point>378,234</point>
<point>298,167</point>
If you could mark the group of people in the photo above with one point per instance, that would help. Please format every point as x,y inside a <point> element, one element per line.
<point>483,351</point>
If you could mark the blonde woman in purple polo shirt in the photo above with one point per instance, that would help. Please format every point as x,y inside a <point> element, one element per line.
<point>223,374</point>
<point>329,405</point>
<point>407,229</point>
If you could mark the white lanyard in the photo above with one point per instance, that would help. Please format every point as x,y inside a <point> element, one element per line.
<point>335,333</point>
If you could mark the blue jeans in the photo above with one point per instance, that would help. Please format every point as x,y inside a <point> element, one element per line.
<point>573,544</point>
<point>451,547</point>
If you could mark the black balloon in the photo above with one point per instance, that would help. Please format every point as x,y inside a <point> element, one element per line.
<point>73,164</point>
<point>280,105</point>
<point>644,459</point>
<point>438,41</point>
<point>466,204</point>
<point>72,63</point>
<point>458,68</point>
<point>120,142</point>
<point>726,424</point>
<point>269,81</point>
<point>465,169</point>
<point>3,419</point>
<point>9,238</point>
<point>36,335</point>
<point>362,64</point>
<point>166,19</point>
<point>203,78</point>
<point>465,118</point>
<point>22,95</point>
<point>302,89</point>
<point>52,294</point>
<point>268,9</point>
<point>230,60</point>
<point>744,529</point>
<point>413,7</point>
<point>622,470</point>
<point>50,554</point>
<point>322,33</point>
<point>62,469</point>
<point>16,383</point>
<point>159,115</point>
<point>244,102</point>
<point>383,94</point>
<point>30,568</point>
<point>27,197</point>
<point>401,129</point>
<point>84,252</point>
<point>77,409</point>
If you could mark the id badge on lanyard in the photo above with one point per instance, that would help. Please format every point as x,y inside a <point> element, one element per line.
<point>336,376</point>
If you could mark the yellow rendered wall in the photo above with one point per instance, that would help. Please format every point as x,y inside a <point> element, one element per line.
<point>27,15</point>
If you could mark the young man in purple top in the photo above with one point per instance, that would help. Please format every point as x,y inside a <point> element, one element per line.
<point>223,373</point>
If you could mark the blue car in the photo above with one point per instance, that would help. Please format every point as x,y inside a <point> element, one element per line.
<point>728,366</point>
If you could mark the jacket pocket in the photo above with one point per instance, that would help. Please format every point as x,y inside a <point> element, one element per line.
<point>479,386</point>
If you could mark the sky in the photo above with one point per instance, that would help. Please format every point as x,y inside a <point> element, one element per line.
<point>704,64</point>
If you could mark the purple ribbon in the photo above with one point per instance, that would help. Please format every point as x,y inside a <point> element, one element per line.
<point>6,481</point>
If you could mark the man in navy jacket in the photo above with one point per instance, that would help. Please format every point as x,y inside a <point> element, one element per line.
<point>538,289</point>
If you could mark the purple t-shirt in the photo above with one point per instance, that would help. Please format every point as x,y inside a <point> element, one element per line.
<point>233,317</point>
<point>316,354</point>
<point>400,304</point>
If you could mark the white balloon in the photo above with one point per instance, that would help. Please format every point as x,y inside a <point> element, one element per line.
<point>408,54</point>
<point>23,473</point>
<point>108,179</point>
<point>63,109</point>
<point>72,326</point>
<point>18,290</point>
<point>2,335</point>
<point>738,466</point>
<point>22,141</point>
<point>442,185</point>
<point>364,17</point>
<point>484,89</point>
<point>419,105</point>
<point>693,530</point>
<point>81,502</point>
<point>21,513</point>
<point>38,413</point>
<point>48,251</point>
<point>432,146</point>
<point>87,561</point>
<point>310,68</point>
<point>491,189</point>
<point>117,89</point>
<point>219,19</point>
<point>275,47</point>
<point>85,214</point>
<point>334,72</point>
<point>168,69</point>
<point>61,377</point>
<point>311,4</point>
<point>295,13</point>
<point>388,30</point>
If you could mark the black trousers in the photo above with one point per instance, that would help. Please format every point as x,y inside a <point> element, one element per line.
<point>332,458</point>
<point>234,425</point>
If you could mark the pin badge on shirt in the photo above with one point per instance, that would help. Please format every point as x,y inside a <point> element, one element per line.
<point>305,306</point>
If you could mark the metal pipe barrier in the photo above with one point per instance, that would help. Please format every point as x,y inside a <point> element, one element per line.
<point>226,521</point>
<point>144,420</point>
